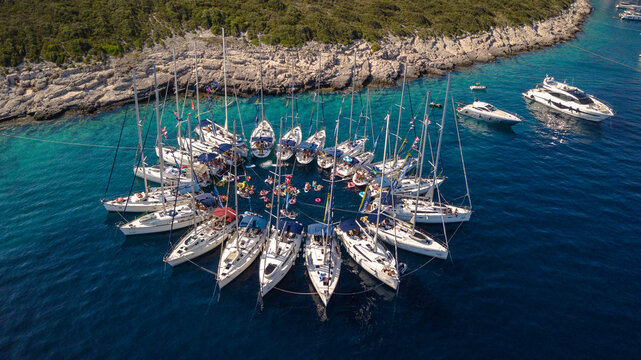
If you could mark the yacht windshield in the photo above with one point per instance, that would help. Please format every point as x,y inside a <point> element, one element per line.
<point>581,97</point>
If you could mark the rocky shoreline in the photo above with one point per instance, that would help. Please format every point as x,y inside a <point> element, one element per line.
<point>44,90</point>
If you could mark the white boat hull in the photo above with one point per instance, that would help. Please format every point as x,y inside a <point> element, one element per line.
<point>148,225</point>
<point>278,256</point>
<point>318,269</point>
<point>401,237</point>
<point>236,258</point>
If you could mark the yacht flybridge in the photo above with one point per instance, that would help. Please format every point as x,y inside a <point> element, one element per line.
<point>487,112</point>
<point>569,100</point>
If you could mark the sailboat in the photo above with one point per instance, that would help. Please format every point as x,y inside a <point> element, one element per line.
<point>288,143</point>
<point>243,248</point>
<point>262,138</point>
<point>204,237</point>
<point>369,253</point>
<point>280,253</point>
<point>366,251</point>
<point>323,260</point>
<point>403,235</point>
<point>307,150</point>
<point>349,164</point>
<point>322,254</point>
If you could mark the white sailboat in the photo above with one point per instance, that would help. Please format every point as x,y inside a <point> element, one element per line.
<point>369,253</point>
<point>288,143</point>
<point>204,237</point>
<point>280,253</point>
<point>347,148</point>
<point>366,251</point>
<point>262,139</point>
<point>242,249</point>
<point>307,150</point>
<point>180,217</point>
<point>323,260</point>
<point>403,235</point>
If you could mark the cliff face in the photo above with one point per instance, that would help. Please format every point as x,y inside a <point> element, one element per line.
<point>44,90</point>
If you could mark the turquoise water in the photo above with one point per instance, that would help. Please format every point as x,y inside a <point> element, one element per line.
<point>547,268</point>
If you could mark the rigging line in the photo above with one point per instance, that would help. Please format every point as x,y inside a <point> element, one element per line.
<point>69,143</point>
<point>603,57</point>
<point>113,164</point>
<point>467,188</point>
<point>418,268</point>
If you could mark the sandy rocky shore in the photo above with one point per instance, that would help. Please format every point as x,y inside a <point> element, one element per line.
<point>45,91</point>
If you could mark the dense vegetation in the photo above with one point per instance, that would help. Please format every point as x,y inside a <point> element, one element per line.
<point>87,30</point>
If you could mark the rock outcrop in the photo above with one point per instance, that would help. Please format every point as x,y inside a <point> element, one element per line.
<point>45,90</point>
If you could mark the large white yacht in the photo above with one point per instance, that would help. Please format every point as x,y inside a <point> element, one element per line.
<point>569,100</point>
<point>487,112</point>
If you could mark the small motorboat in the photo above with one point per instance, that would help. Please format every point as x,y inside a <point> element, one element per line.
<point>487,112</point>
<point>478,87</point>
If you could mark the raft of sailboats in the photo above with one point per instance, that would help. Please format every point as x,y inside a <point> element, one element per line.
<point>396,198</point>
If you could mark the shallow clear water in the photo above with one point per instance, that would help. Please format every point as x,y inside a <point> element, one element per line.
<point>547,268</point>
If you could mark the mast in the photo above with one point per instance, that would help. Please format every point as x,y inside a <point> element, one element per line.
<point>197,97</point>
<point>421,153</point>
<point>142,155</point>
<point>262,100</point>
<point>176,91</point>
<point>225,82</point>
<point>400,111</point>
<point>159,140</point>
<point>351,110</point>
<point>320,69</point>
<point>440,138</point>
<point>380,186</point>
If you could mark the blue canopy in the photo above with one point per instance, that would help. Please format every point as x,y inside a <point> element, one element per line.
<point>386,181</point>
<point>253,222</point>
<point>290,226</point>
<point>223,148</point>
<point>350,224</point>
<point>205,122</point>
<point>288,142</point>
<point>332,151</point>
<point>207,157</point>
<point>320,229</point>
<point>372,217</point>
<point>207,199</point>
<point>307,146</point>
<point>263,138</point>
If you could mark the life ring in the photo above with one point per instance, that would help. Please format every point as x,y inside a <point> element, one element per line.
<point>351,185</point>
<point>292,201</point>
<point>318,200</point>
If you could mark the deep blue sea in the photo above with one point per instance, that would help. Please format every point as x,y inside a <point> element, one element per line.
<point>548,267</point>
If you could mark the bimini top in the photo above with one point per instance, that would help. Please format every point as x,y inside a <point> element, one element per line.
<point>288,142</point>
<point>320,229</point>
<point>388,199</point>
<point>220,212</point>
<point>205,122</point>
<point>351,224</point>
<point>223,148</point>
<point>207,157</point>
<point>263,138</point>
<point>387,182</point>
<point>372,218</point>
<point>333,151</point>
<point>290,226</point>
<point>253,222</point>
<point>307,146</point>
<point>207,199</point>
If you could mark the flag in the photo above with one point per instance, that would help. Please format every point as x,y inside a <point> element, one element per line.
<point>415,144</point>
<point>412,126</point>
<point>178,118</point>
<point>164,132</point>
<point>192,105</point>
